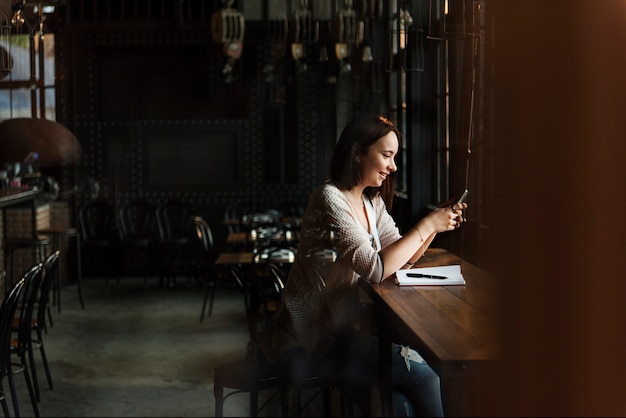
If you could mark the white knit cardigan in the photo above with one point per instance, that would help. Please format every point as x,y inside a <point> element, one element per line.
<point>321,296</point>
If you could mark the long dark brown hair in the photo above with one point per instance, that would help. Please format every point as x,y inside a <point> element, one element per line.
<point>358,135</point>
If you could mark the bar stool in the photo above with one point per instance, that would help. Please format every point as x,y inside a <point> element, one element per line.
<point>37,244</point>
<point>60,236</point>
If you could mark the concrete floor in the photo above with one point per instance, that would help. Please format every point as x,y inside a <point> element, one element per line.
<point>138,350</point>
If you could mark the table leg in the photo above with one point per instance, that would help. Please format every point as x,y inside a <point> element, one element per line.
<point>79,272</point>
<point>384,371</point>
<point>7,279</point>
<point>57,246</point>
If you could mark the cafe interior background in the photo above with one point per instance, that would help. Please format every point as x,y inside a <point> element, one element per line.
<point>516,101</point>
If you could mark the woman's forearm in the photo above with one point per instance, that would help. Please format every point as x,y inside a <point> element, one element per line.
<point>420,251</point>
<point>396,255</point>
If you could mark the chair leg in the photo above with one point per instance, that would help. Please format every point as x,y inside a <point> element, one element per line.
<point>254,403</point>
<point>326,400</point>
<point>218,392</point>
<point>295,397</point>
<point>212,286</point>
<point>4,403</point>
<point>59,273</point>
<point>33,371</point>
<point>348,405</point>
<point>79,272</point>
<point>284,403</point>
<point>347,409</point>
<point>46,367</point>
<point>29,384</point>
<point>44,359</point>
<point>204,302</point>
<point>16,407</point>
<point>49,319</point>
<point>209,297</point>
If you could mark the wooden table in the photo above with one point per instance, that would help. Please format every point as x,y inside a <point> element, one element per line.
<point>240,238</point>
<point>452,327</point>
<point>245,266</point>
<point>249,258</point>
<point>235,257</point>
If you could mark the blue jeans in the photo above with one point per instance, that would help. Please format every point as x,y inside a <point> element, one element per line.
<point>416,392</point>
<point>353,362</point>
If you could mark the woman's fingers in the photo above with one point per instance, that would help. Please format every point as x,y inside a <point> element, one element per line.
<point>456,214</point>
<point>451,217</point>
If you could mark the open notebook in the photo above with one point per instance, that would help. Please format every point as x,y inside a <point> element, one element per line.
<point>444,276</point>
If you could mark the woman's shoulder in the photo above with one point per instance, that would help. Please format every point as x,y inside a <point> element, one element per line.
<point>327,191</point>
<point>327,197</point>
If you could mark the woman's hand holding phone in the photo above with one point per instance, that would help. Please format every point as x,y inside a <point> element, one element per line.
<point>462,198</point>
<point>457,206</point>
<point>455,201</point>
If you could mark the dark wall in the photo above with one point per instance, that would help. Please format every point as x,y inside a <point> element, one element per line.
<point>142,86</point>
<point>144,90</point>
<point>157,119</point>
<point>560,236</point>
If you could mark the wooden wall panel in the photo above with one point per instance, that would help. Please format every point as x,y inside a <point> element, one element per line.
<point>560,236</point>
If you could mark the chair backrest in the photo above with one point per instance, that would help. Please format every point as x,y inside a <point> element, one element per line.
<point>271,269</point>
<point>204,252</point>
<point>97,221</point>
<point>138,221</point>
<point>277,275</point>
<point>50,270</point>
<point>204,233</point>
<point>233,214</point>
<point>239,280</point>
<point>175,221</point>
<point>32,285</point>
<point>7,314</point>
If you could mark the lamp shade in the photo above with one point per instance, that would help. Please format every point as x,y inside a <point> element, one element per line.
<point>56,145</point>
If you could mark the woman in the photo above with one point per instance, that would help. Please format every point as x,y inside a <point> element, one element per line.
<point>347,233</point>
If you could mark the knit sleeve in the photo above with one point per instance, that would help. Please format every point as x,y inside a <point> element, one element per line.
<point>388,231</point>
<point>321,295</point>
<point>353,244</point>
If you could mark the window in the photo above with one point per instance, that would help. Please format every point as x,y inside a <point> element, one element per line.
<point>27,70</point>
<point>444,104</point>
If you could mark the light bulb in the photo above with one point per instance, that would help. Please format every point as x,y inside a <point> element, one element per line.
<point>323,54</point>
<point>367,54</point>
<point>18,19</point>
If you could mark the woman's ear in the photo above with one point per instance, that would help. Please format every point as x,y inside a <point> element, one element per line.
<point>358,159</point>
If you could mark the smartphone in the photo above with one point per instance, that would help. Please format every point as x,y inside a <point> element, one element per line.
<point>463,196</point>
<point>453,201</point>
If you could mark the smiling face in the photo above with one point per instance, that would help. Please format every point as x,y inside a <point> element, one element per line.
<point>378,162</point>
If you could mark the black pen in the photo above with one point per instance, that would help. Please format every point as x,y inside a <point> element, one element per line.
<point>425,276</point>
